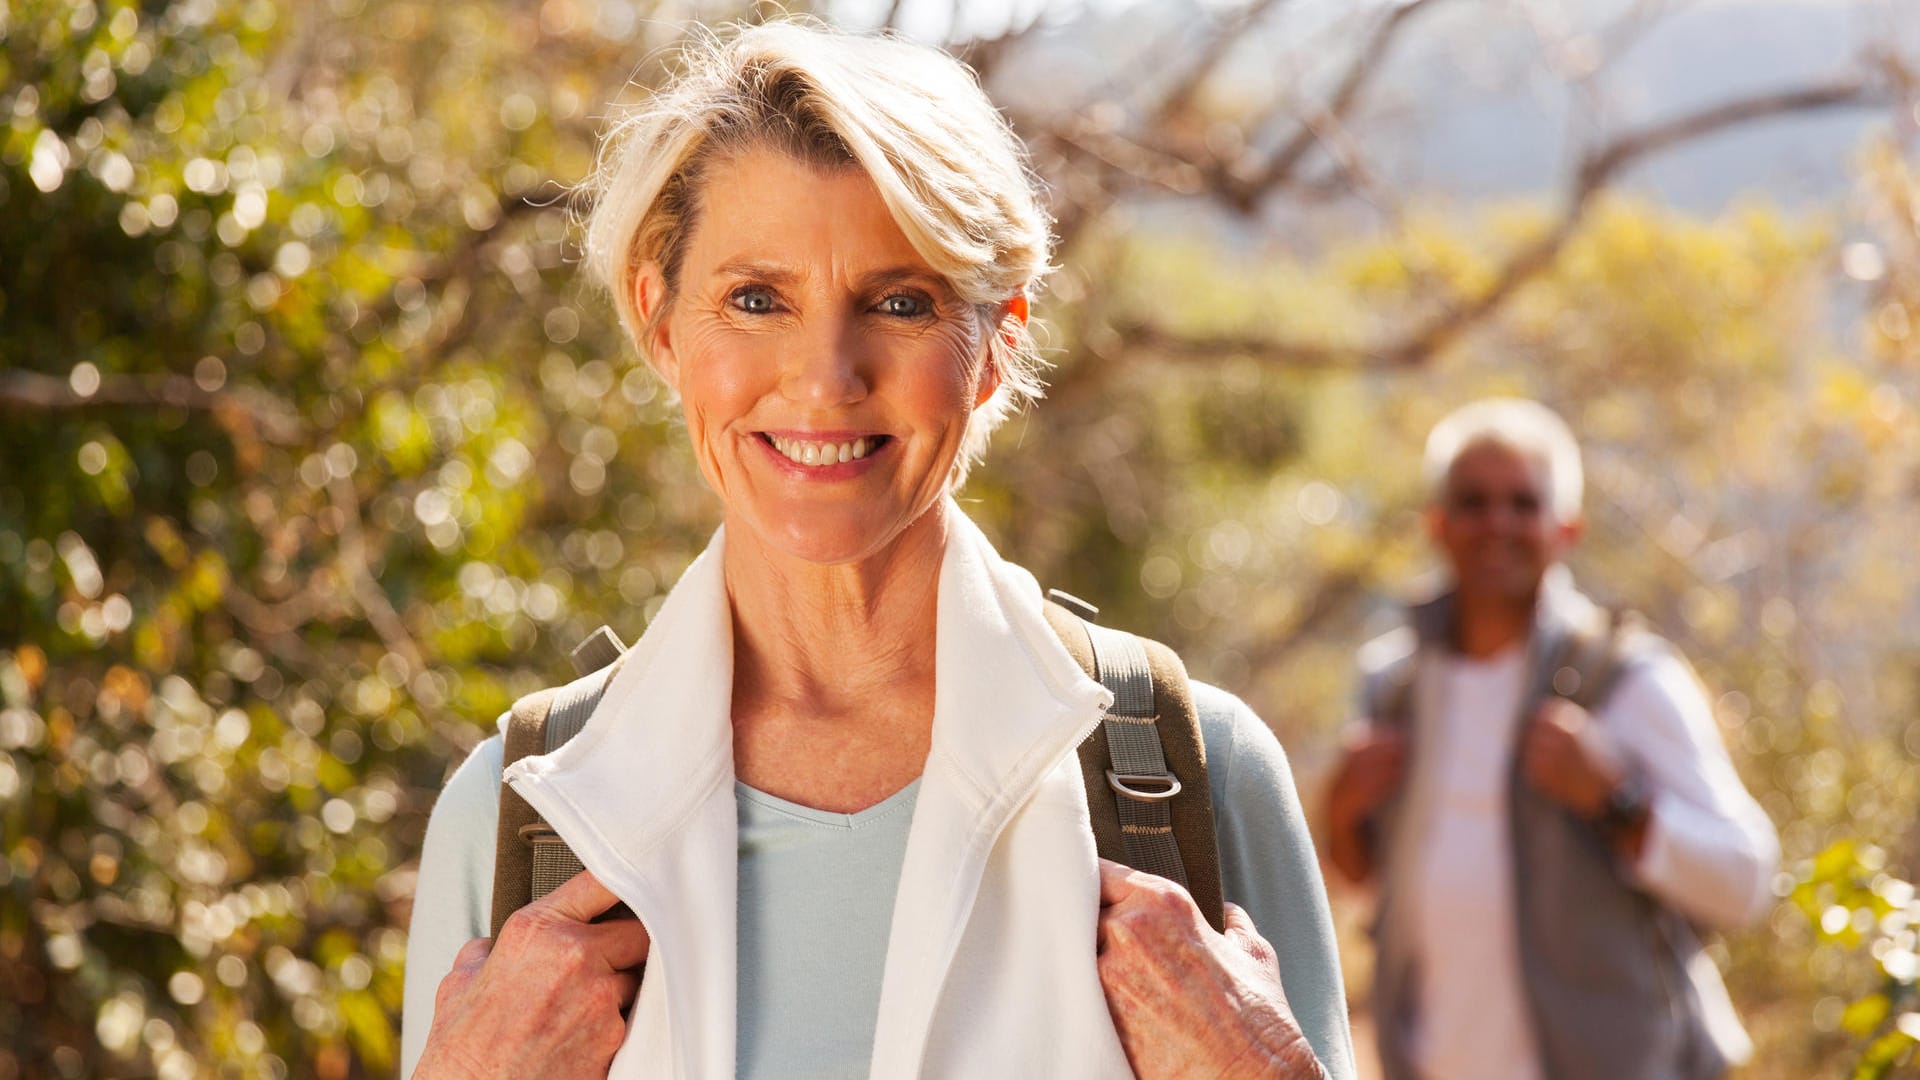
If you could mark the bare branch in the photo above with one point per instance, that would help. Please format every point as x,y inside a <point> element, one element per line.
<point>1141,336</point>
<point>1602,165</point>
<point>1596,171</point>
<point>367,593</point>
<point>246,413</point>
<point>1245,185</point>
<point>1228,34</point>
<point>1146,166</point>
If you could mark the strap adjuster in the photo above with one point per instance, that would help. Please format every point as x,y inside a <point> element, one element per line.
<point>1122,783</point>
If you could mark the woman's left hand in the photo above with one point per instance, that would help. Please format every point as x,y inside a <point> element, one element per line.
<point>1188,1001</point>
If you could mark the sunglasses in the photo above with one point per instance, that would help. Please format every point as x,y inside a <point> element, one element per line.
<point>1470,502</point>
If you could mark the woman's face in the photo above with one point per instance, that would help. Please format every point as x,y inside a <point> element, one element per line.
<point>826,371</point>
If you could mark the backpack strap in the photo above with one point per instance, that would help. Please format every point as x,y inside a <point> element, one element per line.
<point>1145,765</point>
<point>1594,656</point>
<point>530,859</point>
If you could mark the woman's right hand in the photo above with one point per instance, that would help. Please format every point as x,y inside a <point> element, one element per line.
<point>1371,771</point>
<point>549,998</point>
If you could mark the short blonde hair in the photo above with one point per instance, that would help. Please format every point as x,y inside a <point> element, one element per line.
<point>1529,429</point>
<point>950,170</point>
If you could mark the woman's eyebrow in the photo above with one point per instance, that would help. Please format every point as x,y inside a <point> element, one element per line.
<point>772,272</point>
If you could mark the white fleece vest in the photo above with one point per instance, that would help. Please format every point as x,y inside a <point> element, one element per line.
<point>990,968</point>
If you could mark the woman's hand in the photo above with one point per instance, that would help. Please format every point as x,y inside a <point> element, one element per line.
<point>1189,1002</point>
<point>549,998</point>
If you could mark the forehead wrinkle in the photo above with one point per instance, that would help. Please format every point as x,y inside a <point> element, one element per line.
<point>905,272</point>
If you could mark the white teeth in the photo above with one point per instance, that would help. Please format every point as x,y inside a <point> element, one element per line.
<point>822,453</point>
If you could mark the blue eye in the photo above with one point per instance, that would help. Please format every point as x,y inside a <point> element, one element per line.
<point>904,306</point>
<point>753,300</point>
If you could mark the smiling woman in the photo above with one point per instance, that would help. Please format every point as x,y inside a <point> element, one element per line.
<point>836,780</point>
<point>828,373</point>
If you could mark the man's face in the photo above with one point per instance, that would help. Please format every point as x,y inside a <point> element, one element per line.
<point>1494,522</point>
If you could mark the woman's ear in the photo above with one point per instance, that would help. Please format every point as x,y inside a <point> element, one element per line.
<point>989,379</point>
<point>650,304</point>
<point>1016,309</point>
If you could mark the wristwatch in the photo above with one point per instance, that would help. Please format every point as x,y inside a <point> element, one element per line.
<point>1627,807</point>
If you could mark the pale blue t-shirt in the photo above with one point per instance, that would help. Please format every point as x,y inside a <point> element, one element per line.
<point>816,906</point>
<point>816,896</point>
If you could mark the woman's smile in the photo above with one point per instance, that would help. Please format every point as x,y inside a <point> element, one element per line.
<point>824,456</point>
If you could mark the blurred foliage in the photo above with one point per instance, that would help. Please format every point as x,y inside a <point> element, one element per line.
<point>1851,901</point>
<point>315,452</point>
<point>314,459</point>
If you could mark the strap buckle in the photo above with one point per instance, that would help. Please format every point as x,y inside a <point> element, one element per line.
<point>1122,783</point>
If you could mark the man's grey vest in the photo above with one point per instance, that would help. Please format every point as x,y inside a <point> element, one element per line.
<point>1604,967</point>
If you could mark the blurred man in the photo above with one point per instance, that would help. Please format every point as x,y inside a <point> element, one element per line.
<point>1541,794</point>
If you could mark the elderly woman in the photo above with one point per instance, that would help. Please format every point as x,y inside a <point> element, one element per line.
<point>836,779</point>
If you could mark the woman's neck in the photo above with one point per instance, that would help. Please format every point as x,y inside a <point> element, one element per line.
<point>835,641</point>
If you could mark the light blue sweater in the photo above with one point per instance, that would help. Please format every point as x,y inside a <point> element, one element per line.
<point>816,896</point>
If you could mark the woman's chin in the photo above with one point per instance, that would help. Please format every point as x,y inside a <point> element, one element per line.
<point>829,537</point>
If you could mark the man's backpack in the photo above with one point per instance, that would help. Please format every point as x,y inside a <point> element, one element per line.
<point>1145,764</point>
<point>1587,666</point>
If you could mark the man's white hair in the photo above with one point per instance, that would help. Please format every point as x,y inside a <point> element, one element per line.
<point>1527,428</point>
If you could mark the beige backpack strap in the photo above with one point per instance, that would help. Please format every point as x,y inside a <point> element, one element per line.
<point>1145,765</point>
<point>526,735</point>
<point>530,859</point>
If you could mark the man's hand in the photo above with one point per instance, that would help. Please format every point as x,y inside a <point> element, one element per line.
<point>549,998</point>
<point>1371,770</point>
<point>1186,1001</point>
<point>1565,756</point>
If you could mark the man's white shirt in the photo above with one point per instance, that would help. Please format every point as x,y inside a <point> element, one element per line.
<point>1710,852</point>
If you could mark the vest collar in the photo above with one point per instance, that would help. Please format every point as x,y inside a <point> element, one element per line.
<point>1559,609</point>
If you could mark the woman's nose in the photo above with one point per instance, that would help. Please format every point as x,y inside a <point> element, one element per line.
<point>825,368</point>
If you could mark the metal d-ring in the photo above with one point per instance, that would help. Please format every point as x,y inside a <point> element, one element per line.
<point>1119,782</point>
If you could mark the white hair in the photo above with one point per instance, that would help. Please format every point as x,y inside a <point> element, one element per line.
<point>1527,428</point>
<point>952,173</point>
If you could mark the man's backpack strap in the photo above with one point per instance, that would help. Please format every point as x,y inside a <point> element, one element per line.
<point>1595,654</point>
<point>530,859</point>
<point>1145,765</point>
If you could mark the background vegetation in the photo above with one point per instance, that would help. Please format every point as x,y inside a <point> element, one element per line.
<point>314,453</point>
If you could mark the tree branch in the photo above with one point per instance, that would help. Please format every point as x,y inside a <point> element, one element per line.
<point>1596,170</point>
<point>367,594</point>
<point>246,413</point>
<point>1244,184</point>
<point>1229,33</point>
